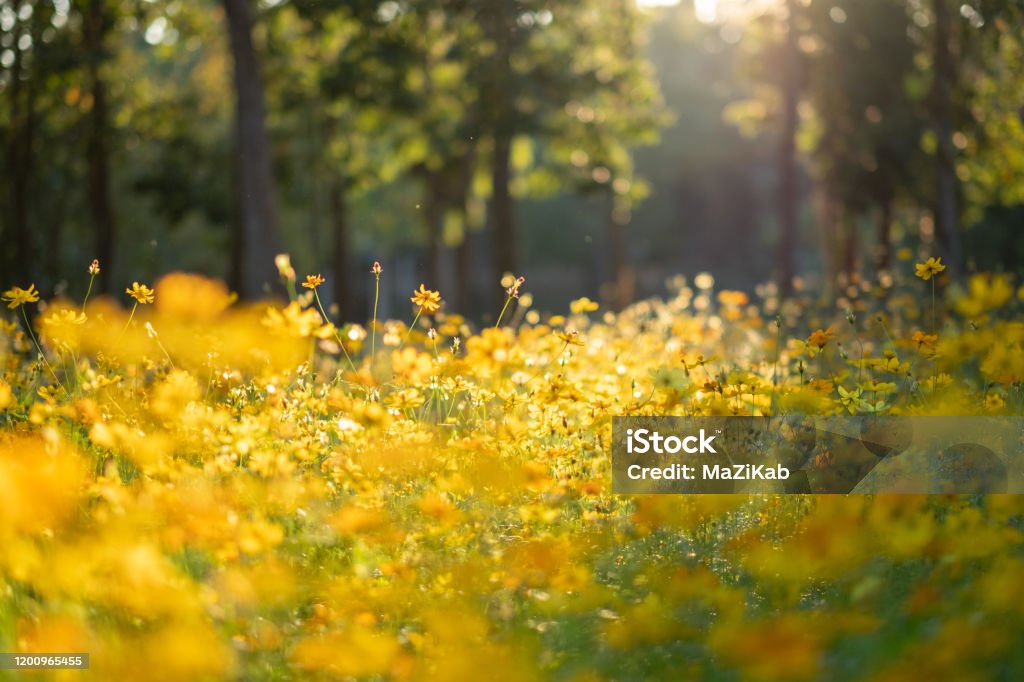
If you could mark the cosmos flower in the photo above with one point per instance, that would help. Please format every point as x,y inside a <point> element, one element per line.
<point>929,268</point>
<point>141,293</point>
<point>313,281</point>
<point>427,300</point>
<point>16,297</point>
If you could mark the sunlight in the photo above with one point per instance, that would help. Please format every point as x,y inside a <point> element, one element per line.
<point>706,10</point>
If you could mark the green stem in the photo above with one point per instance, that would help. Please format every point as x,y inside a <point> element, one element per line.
<point>887,334</point>
<point>502,313</point>
<point>451,406</point>
<point>166,354</point>
<point>860,367</point>
<point>78,378</point>
<point>933,305</point>
<point>128,323</point>
<point>88,291</point>
<point>336,335</point>
<point>775,366</point>
<point>373,326</point>
<point>411,327</point>
<point>32,335</point>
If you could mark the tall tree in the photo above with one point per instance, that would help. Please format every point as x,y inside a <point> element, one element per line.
<point>499,92</point>
<point>539,60</point>
<point>346,66</point>
<point>615,107</point>
<point>97,22</point>
<point>257,238</point>
<point>788,197</point>
<point>21,127</point>
<point>865,154</point>
<point>947,217</point>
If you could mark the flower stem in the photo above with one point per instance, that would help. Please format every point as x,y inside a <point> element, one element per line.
<point>411,327</point>
<point>336,335</point>
<point>933,305</point>
<point>128,323</point>
<point>166,354</point>
<point>775,365</point>
<point>502,313</point>
<point>373,325</point>
<point>32,335</point>
<point>88,291</point>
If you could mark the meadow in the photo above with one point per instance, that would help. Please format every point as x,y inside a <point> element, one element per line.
<point>192,488</point>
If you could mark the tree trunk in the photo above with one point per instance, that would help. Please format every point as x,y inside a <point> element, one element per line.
<point>17,160</point>
<point>258,237</point>
<point>505,255</point>
<point>23,187</point>
<point>787,206</point>
<point>947,223</point>
<point>96,25</point>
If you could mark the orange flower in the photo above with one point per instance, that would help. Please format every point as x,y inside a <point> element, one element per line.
<point>313,281</point>
<point>141,293</point>
<point>820,338</point>
<point>922,340</point>
<point>427,300</point>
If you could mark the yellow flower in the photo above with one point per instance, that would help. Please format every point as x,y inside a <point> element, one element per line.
<point>140,292</point>
<point>849,399</point>
<point>987,292</point>
<point>929,268</point>
<point>820,337</point>
<point>427,300</point>
<point>94,267</point>
<point>924,341</point>
<point>408,399</point>
<point>63,317</point>
<point>293,320</point>
<point>571,337</point>
<point>582,305</point>
<point>313,281</point>
<point>816,342</point>
<point>6,395</point>
<point>733,298</point>
<point>17,297</point>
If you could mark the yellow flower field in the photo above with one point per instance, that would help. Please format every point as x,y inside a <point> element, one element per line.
<point>197,489</point>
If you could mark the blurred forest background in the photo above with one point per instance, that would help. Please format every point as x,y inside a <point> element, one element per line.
<point>596,146</point>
